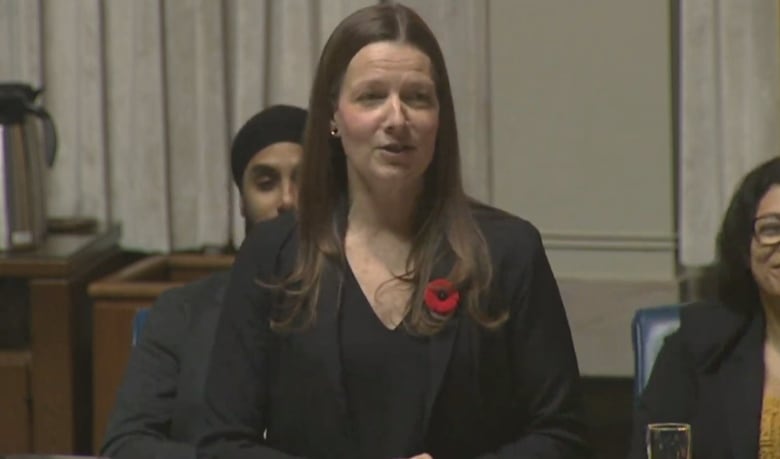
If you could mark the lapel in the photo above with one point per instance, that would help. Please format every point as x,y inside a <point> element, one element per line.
<point>323,338</point>
<point>742,388</point>
<point>323,344</point>
<point>322,341</point>
<point>440,348</point>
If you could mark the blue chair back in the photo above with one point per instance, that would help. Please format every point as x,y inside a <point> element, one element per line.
<point>648,330</point>
<point>138,324</point>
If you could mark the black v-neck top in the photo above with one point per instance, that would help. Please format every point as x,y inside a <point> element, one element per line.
<point>385,377</point>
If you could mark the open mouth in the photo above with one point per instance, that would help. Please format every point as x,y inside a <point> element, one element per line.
<point>396,148</point>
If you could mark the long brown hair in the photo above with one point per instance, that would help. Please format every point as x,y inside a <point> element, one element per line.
<point>444,225</point>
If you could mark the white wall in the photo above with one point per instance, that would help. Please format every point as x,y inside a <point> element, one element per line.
<point>581,132</point>
<point>581,135</point>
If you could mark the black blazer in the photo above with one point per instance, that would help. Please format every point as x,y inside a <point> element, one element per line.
<point>159,406</point>
<point>508,393</point>
<point>710,374</point>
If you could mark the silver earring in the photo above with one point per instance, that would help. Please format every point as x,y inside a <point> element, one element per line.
<point>334,132</point>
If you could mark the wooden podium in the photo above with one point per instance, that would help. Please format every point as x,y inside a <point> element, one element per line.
<point>54,415</point>
<point>116,299</point>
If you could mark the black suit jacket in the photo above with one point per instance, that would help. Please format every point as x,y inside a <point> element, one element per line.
<point>159,407</point>
<point>710,374</point>
<point>512,392</point>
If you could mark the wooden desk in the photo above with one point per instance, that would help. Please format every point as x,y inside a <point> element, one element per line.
<point>57,274</point>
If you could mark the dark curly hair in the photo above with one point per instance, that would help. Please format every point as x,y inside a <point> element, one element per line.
<point>736,286</point>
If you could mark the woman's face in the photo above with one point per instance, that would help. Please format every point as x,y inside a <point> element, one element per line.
<point>765,257</point>
<point>387,114</point>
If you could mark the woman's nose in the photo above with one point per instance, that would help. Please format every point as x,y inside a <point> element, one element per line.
<point>396,113</point>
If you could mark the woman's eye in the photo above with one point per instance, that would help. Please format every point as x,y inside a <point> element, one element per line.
<point>420,98</point>
<point>770,229</point>
<point>370,96</point>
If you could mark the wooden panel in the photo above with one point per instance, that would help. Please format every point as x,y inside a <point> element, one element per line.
<point>150,276</point>
<point>609,404</point>
<point>15,416</point>
<point>187,268</point>
<point>14,314</point>
<point>60,255</point>
<point>53,376</point>
<point>60,332</point>
<point>111,350</point>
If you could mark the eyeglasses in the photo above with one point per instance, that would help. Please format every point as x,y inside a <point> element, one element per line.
<point>766,229</point>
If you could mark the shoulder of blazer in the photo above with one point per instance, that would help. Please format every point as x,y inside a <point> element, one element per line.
<point>710,331</point>
<point>508,236</point>
<point>209,289</point>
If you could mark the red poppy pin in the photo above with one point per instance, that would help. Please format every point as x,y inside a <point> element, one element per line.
<point>441,296</point>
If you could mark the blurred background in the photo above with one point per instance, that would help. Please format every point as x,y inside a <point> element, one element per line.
<point>618,127</point>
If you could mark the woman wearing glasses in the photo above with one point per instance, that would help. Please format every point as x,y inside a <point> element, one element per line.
<point>720,372</point>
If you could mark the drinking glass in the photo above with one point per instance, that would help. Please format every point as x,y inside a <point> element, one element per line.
<point>669,441</point>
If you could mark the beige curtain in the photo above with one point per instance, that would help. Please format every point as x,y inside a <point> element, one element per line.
<point>729,88</point>
<point>146,95</point>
